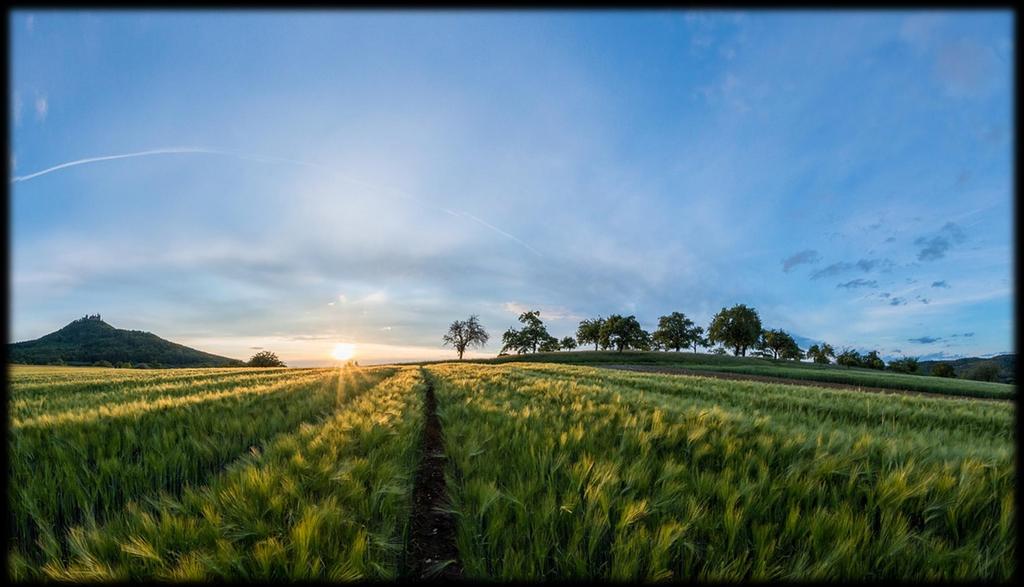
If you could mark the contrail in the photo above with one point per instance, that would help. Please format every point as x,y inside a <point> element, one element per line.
<point>206,151</point>
<point>494,228</point>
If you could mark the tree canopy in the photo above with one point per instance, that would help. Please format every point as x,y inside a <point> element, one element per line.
<point>624,332</point>
<point>264,359</point>
<point>738,327</point>
<point>531,337</point>
<point>589,331</point>
<point>676,332</point>
<point>779,345</point>
<point>821,354</point>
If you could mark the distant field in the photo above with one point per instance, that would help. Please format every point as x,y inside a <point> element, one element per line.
<point>772,368</point>
<point>554,471</point>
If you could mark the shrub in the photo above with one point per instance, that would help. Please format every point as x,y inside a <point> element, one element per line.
<point>943,370</point>
<point>102,364</point>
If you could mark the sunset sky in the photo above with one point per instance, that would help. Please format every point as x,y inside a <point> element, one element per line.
<point>236,181</point>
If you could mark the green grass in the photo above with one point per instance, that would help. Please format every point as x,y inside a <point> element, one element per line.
<point>572,472</point>
<point>330,501</point>
<point>80,458</point>
<point>774,368</point>
<point>556,471</point>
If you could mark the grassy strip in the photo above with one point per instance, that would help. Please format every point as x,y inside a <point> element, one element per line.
<point>25,388</point>
<point>330,501</point>
<point>83,472</point>
<point>937,422</point>
<point>773,368</point>
<point>587,479</point>
<point>76,401</point>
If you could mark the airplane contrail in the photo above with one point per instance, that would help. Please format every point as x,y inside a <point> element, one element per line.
<point>207,151</point>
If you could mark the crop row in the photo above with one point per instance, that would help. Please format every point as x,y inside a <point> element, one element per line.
<point>557,474</point>
<point>82,471</point>
<point>330,501</point>
<point>80,401</point>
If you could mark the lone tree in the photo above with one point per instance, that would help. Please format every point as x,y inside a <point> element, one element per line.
<point>778,344</point>
<point>265,359</point>
<point>738,327</point>
<point>568,343</point>
<point>590,331</point>
<point>984,371</point>
<point>676,332</point>
<point>463,334</point>
<point>624,333</point>
<point>821,354</point>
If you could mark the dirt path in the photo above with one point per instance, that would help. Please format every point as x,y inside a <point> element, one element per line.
<point>432,552</point>
<point>790,381</point>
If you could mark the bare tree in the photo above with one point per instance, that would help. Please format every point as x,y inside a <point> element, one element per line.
<point>465,333</point>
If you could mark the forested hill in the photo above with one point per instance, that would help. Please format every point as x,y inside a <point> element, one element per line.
<point>89,340</point>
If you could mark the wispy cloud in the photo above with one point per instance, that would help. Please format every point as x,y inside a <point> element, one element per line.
<point>925,339</point>
<point>941,283</point>
<point>808,256</point>
<point>935,247</point>
<point>857,283</point>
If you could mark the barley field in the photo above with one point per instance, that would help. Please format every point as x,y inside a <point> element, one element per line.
<point>553,471</point>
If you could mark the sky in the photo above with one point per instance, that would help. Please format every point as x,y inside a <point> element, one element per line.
<point>238,181</point>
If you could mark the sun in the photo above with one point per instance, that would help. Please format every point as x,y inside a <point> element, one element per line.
<point>343,351</point>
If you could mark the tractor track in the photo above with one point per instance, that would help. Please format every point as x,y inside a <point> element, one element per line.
<point>432,552</point>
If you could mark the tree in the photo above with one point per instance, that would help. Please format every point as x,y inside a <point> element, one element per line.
<point>102,363</point>
<point>463,334</point>
<point>779,344</point>
<point>904,365</point>
<point>699,338</point>
<point>738,327</point>
<point>624,333</point>
<point>513,340</point>
<point>943,370</point>
<point>821,354</point>
<point>550,345</point>
<point>265,359</point>
<point>873,361</point>
<point>589,331</point>
<point>984,371</point>
<point>849,358</point>
<point>676,332</point>
<point>568,343</point>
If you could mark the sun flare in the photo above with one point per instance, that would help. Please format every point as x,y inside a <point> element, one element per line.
<point>343,351</point>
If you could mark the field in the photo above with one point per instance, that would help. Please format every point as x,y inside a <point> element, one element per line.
<point>552,471</point>
<point>854,376</point>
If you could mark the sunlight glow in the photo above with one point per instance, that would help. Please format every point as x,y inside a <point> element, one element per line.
<point>343,351</point>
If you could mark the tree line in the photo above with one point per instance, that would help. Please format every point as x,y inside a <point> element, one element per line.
<point>737,329</point>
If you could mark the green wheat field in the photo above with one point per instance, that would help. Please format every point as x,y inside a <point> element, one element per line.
<point>553,471</point>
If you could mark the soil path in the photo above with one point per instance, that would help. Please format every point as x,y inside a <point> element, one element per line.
<point>432,552</point>
<point>790,381</point>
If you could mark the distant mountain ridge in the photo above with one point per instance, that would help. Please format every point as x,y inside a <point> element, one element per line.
<point>90,339</point>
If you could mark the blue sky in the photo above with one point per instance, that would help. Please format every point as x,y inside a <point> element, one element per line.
<point>312,178</point>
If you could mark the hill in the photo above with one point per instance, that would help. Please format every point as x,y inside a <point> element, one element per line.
<point>90,339</point>
<point>1007,365</point>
